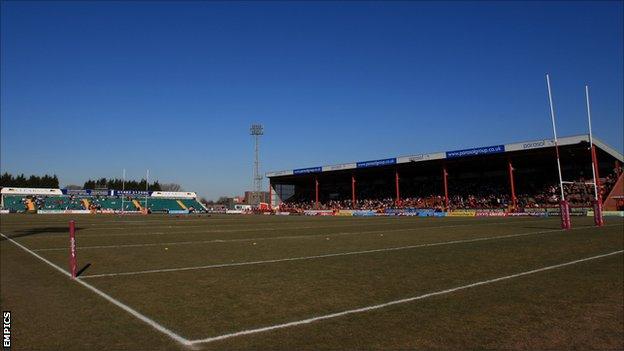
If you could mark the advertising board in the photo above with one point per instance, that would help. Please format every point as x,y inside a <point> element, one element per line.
<point>30,191</point>
<point>421,157</point>
<point>364,213</point>
<point>344,213</point>
<point>376,163</point>
<point>608,213</point>
<point>318,212</point>
<point>63,212</point>
<point>488,213</point>
<point>279,173</point>
<point>461,213</point>
<point>174,194</point>
<point>339,167</point>
<point>130,193</point>
<point>307,170</point>
<point>486,150</point>
<point>87,192</point>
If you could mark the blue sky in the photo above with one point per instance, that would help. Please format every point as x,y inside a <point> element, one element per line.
<point>89,88</point>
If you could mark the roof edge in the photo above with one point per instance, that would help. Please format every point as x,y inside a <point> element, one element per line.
<point>608,149</point>
<point>483,150</point>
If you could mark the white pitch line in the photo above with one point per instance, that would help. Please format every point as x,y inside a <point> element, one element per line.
<point>92,222</point>
<point>201,231</point>
<point>255,229</point>
<point>183,227</point>
<point>303,258</point>
<point>93,225</point>
<point>396,302</point>
<point>262,238</point>
<point>109,298</point>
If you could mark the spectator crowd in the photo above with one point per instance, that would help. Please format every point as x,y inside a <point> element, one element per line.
<point>579,193</point>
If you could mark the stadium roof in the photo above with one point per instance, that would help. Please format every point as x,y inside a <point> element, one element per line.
<point>454,154</point>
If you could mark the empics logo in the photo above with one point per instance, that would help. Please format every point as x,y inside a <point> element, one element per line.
<point>6,330</point>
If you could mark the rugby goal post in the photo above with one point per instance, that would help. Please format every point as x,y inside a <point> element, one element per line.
<point>598,220</point>
<point>564,206</point>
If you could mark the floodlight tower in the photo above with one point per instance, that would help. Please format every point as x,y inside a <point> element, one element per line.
<point>256,131</point>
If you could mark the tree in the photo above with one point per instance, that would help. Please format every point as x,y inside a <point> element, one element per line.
<point>119,184</point>
<point>33,181</point>
<point>155,186</point>
<point>6,179</point>
<point>171,187</point>
<point>20,181</point>
<point>46,181</point>
<point>89,184</point>
<point>55,182</point>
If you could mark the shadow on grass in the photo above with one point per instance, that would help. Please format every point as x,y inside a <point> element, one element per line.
<point>83,269</point>
<point>542,227</point>
<point>60,230</point>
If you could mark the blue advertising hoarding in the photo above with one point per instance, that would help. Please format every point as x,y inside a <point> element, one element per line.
<point>476,151</point>
<point>131,192</point>
<point>87,192</point>
<point>307,170</point>
<point>376,163</point>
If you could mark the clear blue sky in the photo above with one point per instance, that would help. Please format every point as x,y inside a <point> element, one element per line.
<point>89,88</point>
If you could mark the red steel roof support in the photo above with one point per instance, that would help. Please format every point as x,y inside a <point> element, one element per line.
<point>445,180</point>
<point>316,190</point>
<point>396,185</point>
<point>514,200</point>
<point>353,199</point>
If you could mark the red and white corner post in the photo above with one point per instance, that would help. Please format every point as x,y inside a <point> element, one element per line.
<point>72,249</point>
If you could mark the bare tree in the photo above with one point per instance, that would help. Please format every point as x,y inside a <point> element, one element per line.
<point>73,187</point>
<point>171,187</point>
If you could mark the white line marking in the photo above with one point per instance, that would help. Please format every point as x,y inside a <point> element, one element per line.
<point>89,225</point>
<point>91,221</point>
<point>271,229</point>
<point>268,229</point>
<point>302,258</point>
<point>107,297</point>
<point>94,221</point>
<point>259,238</point>
<point>395,302</point>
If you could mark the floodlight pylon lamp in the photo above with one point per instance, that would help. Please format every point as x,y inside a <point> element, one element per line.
<point>256,129</point>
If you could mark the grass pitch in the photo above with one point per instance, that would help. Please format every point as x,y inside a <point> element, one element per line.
<point>297,283</point>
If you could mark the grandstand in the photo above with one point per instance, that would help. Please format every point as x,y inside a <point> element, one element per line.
<point>515,177</point>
